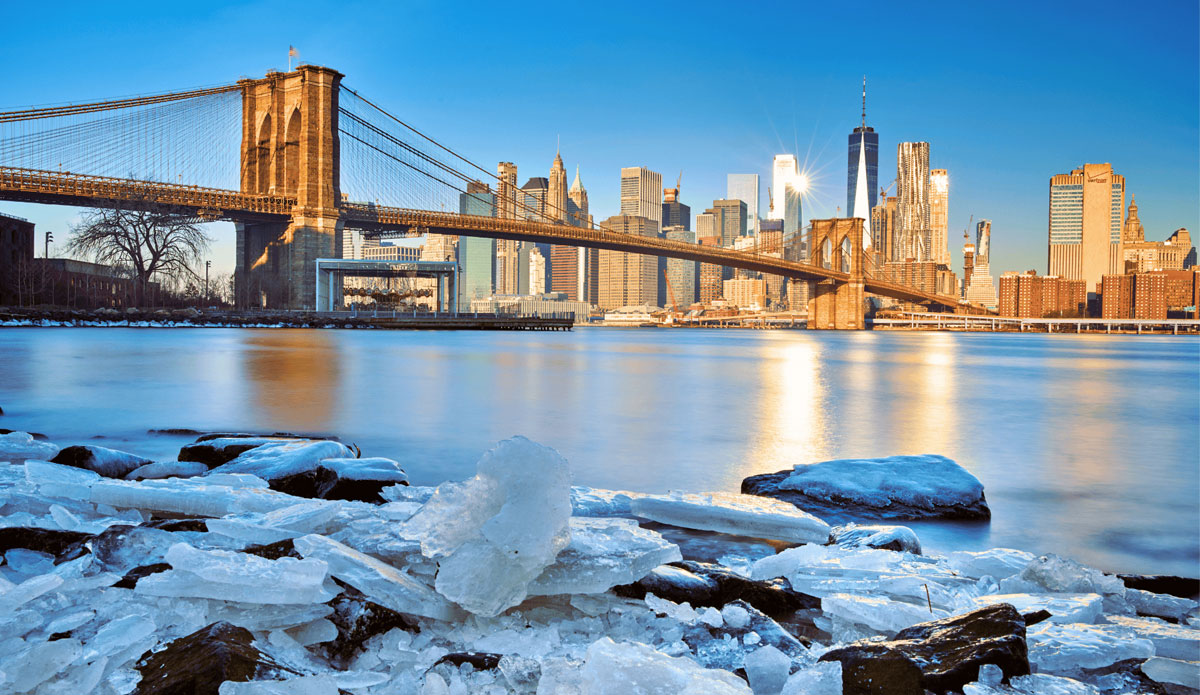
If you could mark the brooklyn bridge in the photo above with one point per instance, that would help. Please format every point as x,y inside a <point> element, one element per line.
<point>294,159</point>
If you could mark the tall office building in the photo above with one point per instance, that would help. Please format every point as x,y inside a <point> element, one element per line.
<point>734,220</point>
<point>476,255</point>
<point>786,193</point>
<point>641,193</point>
<point>711,275</point>
<point>534,197</point>
<point>628,279</point>
<point>1087,212</point>
<point>885,224</point>
<point>708,224</point>
<point>564,260</point>
<point>939,211</point>
<point>586,260</point>
<point>537,272</point>
<point>556,192</point>
<point>682,275</point>
<point>507,264</point>
<point>912,188</point>
<point>862,178</point>
<point>675,213</point>
<point>744,187</point>
<point>982,288</point>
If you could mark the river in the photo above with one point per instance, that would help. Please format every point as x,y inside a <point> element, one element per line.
<point>1087,445</point>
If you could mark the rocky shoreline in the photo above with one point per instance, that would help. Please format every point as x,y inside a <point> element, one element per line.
<point>172,318</point>
<point>287,564</point>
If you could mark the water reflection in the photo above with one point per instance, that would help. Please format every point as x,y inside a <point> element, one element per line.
<point>292,378</point>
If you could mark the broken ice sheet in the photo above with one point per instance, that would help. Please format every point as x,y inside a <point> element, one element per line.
<point>742,515</point>
<point>231,576</point>
<point>602,554</point>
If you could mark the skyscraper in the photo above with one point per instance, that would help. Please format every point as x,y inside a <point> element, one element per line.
<point>733,220</point>
<point>683,275</point>
<point>786,189</point>
<point>912,188</point>
<point>587,260</point>
<point>1087,212</point>
<point>885,225</point>
<point>628,279</point>
<point>564,260</point>
<point>556,192</point>
<point>476,255</point>
<point>939,224</point>
<point>981,288</point>
<point>675,213</point>
<point>641,193</point>
<point>862,163</point>
<point>708,224</point>
<point>507,270</point>
<point>744,187</point>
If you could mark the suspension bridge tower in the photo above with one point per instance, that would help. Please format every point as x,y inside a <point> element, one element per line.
<point>289,148</point>
<point>837,244</point>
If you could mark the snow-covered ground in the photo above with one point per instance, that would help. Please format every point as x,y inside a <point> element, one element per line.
<point>116,579</point>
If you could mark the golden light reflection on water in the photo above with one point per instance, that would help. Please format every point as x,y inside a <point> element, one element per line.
<point>292,378</point>
<point>931,411</point>
<point>792,410</point>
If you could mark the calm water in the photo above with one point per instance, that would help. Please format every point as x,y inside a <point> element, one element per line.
<point>1086,445</point>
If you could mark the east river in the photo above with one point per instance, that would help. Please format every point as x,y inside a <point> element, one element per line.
<point>1086,445</point>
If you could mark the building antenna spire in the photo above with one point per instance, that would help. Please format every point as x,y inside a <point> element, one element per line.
<point>864,113</point>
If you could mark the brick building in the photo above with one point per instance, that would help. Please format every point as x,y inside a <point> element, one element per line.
<point>1026,295</point>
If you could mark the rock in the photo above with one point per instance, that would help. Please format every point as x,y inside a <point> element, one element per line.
<point>274,551</point>
<point>482,661</point>
<point>358,619</point>
<point>199,663</point>
<point>740,515</point>
<point>496,532</point>
<point>109,463</point>
<point>16,447</point>
<point>1035,617</point>
<point>673,584</point>
<point>1173,671</point>
<point>620,669</point>
<point>131,577</point>
<point>279,459</point>
<point>603,553</point>
<point>359,480</point>
<point>215,451</point>
<point>1182,587</point>
<point>64,545</point>
<point>947,653</point>
<point>898,538</point>
<point>704,584</point>
<point>876,669</point>
<point>895,487</point>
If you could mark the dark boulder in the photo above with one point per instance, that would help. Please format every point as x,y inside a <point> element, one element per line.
<point>177,525</point>
<point>674,584</point>
<point>199,663</point>
<point>947,652</point>
<point>878,536</point>
<point>482,661</point>
<point>1183,587</point>
<point>214,451</point>
<point>37,436</point>
<point>876,669</point>
<point>132,576</point>
<point>185,431</point>
<point>767,485</point>
<point>1036,617</point>
<point>707,584</point>
<point>109,463</point>
<point>339,481</point>
<point>274,551</point>
<point>357,620</point>
<point>63,545</point>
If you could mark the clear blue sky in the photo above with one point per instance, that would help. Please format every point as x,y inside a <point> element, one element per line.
<point>1007,94</point>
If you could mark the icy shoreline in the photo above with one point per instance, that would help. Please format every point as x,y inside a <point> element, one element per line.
<point>308,569</point>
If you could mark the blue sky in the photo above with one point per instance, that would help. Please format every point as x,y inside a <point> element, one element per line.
<point>1007,94</point>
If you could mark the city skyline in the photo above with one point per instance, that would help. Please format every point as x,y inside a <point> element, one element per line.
<point>1150,140</point>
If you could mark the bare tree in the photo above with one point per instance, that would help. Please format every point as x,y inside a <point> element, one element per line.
<point>148,239</point>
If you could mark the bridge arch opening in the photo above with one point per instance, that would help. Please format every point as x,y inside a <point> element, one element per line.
<point>262,157</point>
<point>846,254</point>
<point>291,153</point>
<point>827,254</point>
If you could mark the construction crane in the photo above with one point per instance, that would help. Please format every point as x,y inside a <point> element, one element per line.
<point>671,292</point>
<point>770,202</point>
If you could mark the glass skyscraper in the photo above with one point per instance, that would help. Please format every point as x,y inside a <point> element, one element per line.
<point>477,256</point>
<point>863,137</point>
<point>744,187</point>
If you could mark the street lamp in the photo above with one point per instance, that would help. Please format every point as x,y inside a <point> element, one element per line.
<point>207,264</point>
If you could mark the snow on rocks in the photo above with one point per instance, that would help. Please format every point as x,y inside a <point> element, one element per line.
<point>20,446</point>
<point>895,487</point>
<point>743,515</point>
<point>496,532</point>
<point>109,463</point>
<point>898,538</point>
<point>621,668</point>
<point>278,459</point>
<point>603,553</point>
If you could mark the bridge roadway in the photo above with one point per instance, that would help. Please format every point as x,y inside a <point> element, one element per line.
<point>66,188</point>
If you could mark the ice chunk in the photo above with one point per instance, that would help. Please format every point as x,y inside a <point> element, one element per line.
<point>370,468</point>
<point>735,616</point>
<point>604,553</point>
<point>767,669</point>
<point>230,576</point>
<point>57,480</point>
<point>314,632</point>
<point>898,538</point>
<point>19,446</point>
<point>1062,575</point>
<point>1036,684</point>
<point>1060,648</point>
<point>499,530</point>
<point>1159,605</point>
<point>407,493</point>
<point>381,583</point>
<point>274,460</point>
<point>38,663</point>
<point>742,515</point>
<point>1171,641</point>
<point>996,563</point>
<point>188,496</point>
<point>1063,608</point>
<point>1174,671</point>
<point>588,501</point>
<point>925,482</point>
<point>878,613</point>
<point>302,685</point>
<point>168,469</point>
<point>29,562</point>
<point>620,669</point>
<point>28,590</point>
<point>823,678</point>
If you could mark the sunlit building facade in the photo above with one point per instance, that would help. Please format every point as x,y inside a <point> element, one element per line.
<point>1087,213</point>
<point>913,191</point>
<point>745,187</point>
<point>939,215</point>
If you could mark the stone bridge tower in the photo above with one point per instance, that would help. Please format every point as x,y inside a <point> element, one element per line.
<point>837,244</point>
<point>289,147</point>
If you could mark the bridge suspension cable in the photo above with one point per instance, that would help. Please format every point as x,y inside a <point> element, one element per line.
<point>111,105</point>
